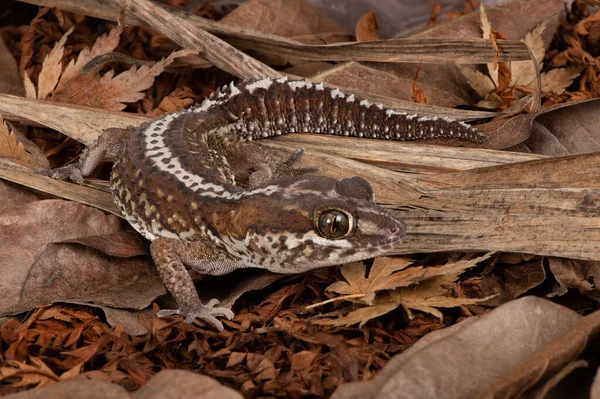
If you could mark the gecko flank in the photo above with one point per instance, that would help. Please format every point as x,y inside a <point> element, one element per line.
<point>194,184</point>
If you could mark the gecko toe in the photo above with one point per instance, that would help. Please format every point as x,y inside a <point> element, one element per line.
<point>206,313</point>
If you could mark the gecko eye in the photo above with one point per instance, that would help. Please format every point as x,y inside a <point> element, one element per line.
<point>334,223</point>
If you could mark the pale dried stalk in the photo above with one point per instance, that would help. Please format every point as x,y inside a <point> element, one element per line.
<point>74,192</point>
<point>83,124</point>
<point>188,35</point>
<point>460,50</point>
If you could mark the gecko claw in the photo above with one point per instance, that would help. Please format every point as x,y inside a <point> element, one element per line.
<point>206,313</point>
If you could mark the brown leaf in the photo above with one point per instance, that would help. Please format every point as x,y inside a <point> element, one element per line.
<point>123,244</point>
<point>106,43</point>
<point>443,85</point>
<point>490,349</point>
<point>172,384</point>
<point>52,68</point>
<point>557,80</point>
<point>515,19</point>
<point>295,19</point>
<point>235,358</point>
<point>10,146</point>
<point>180,98</point>
<point>84,353</point>
<point>579,274</point>
<point>37,374</point>
<point>429,292</point>
<point>39,271</point>
<point>358,284</point>
<point>549,358</point>
<point>302,360</point>
<point>367,27</point>
<point>521,278</point>
<point>288,18</point>
<point>566,129</point>
<point>507,132</point>
<point>10,80</point>
<point>28,41</point>
<point>523,72</point>
<point>112,92</point>
<point>418,95</point>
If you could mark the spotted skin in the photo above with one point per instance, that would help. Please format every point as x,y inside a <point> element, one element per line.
<point>176,181</point>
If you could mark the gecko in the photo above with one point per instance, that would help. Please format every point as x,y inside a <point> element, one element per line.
<point>179,181</point>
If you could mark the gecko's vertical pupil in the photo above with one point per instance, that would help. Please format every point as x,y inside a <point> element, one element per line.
<point>333,223</point>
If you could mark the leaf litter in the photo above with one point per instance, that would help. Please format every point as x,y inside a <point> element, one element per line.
<point>277,345</point>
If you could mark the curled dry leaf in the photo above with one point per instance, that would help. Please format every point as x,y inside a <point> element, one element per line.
<point>578,274</point>
<point>418,95</point>
<point>367,27</point>
<point>521,278</point>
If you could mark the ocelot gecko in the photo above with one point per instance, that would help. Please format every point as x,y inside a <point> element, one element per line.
<point>174,180</point>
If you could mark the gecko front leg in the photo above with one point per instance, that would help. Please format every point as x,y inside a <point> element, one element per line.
<point>109,141</point>
<point>171,256</point>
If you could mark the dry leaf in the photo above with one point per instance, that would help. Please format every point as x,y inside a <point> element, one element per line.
<point>557,80</point>
<point>566,129</point>
<point>37,374</point>
<point>443,85</point>
<point>523,72</point>
<point>37,269</point>
<point>521,278</point>
<point>579,274</point>
<point>52,67</point>
<point>367,27</point>
<point>418,95</point>
<point>428,294</point>
<point>112,92</point>
<point>123,244</point>
<point>357,283</point>
<point>295,19</point>
<point>106,43</point>
<point>10,81</point>
<point>511,347</point>
<point>10,146</point>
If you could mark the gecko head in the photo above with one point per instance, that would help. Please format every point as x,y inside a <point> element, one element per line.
<point>322,222</point>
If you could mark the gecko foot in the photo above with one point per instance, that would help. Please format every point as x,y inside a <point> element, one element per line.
<point>71,172</point>
<point>205,312</point>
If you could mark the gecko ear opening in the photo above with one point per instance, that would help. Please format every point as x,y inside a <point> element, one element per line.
<point>356,187</point>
